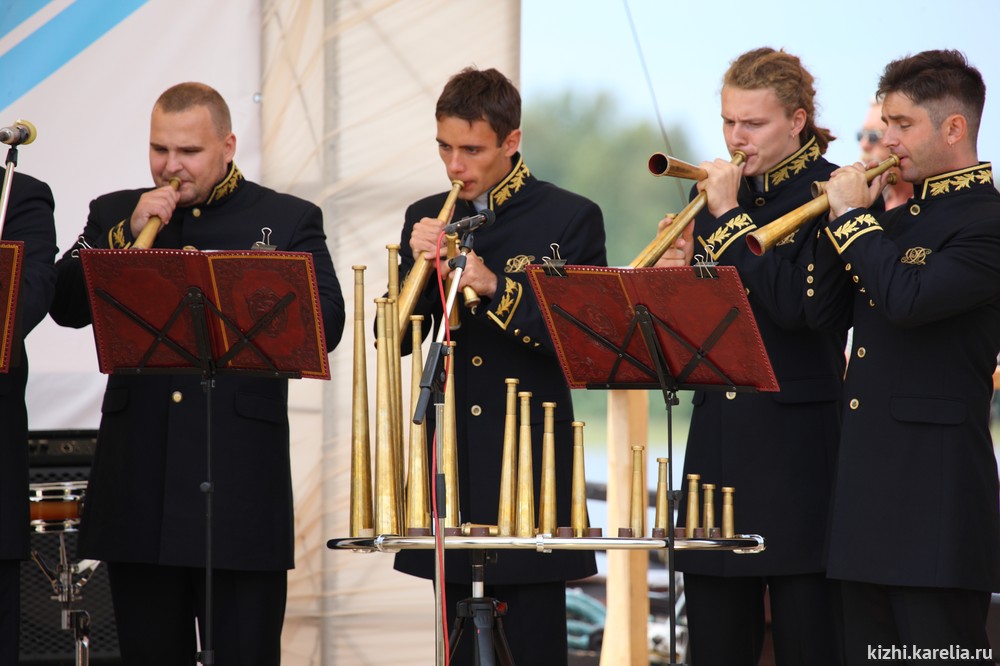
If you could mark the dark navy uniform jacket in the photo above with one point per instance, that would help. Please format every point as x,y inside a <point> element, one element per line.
<point>778,450</point>
<point>508,338</point>
<point>916,499</point>
<point>143,500</point>
<point>29,220</point>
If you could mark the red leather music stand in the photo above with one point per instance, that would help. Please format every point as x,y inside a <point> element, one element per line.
<point>250,312</point>
<point>11,260</point>
<point>671,329</point>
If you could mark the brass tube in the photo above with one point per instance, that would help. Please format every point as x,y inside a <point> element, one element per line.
<point>423,266</point>
<point>637,507</point>
<point>508,463</point>
<point>728,524</point>
<point>395,331</point>
<point>661,164</point>
<point>692,507</point>
<point>708,511</point>
<point>660,517</point>
<point>387,518</point>
<point>767,236</point>
<point>547,499</point>
<point>147,236</point>
<point>449,440</point>
<point>525,525</point>
<point>578,508</point>
<point>361,464</point>
<point>417,496</point>
<point>666,238</point>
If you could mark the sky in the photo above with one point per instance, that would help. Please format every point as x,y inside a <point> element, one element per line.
<point>688,45</point>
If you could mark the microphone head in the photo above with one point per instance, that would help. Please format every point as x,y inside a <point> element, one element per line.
<point>489,217</point>
<point>30,128</point>
<point>19,134</point>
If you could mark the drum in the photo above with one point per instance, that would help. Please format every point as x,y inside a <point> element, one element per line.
<point>56,507</point>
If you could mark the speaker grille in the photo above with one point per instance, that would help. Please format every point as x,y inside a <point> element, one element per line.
<point>43,641</point>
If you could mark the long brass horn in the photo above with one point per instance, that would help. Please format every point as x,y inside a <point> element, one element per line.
<point>506,512</point>
<point>668,236</point>
<point>361,465</point>
<point>547,492</point>
<point>448,432</point>
<point>423,266</point>
<point>578,509</point>
<point>525,524</point>
<point>763,239</point>
<point>394,332</point>
<point>387,471</point>
<point>660,518</point>
<point>638,501</point>
<point>418,519</point>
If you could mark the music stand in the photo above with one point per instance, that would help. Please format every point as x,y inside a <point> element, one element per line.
<point>666,329</point>
<point>251,313</point>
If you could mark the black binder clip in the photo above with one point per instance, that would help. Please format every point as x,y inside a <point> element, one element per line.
<point>705,270</point>
<point>265,242</point>
<point>555,264</point>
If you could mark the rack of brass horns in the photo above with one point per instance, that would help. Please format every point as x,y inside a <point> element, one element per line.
<point>394,498</point>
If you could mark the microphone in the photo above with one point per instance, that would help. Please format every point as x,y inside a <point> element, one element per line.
<point>20,133</point>
<point>484,219</point>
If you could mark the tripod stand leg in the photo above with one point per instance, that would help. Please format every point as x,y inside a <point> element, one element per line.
<point>455,635</point>
<point>500,643</point>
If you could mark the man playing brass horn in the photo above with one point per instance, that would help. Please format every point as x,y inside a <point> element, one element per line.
<point>145,510</point>
<point>478,119</point>
<point>915,536</point>
<point>776,449</point>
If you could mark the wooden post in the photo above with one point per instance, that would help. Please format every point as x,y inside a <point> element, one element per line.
<point>625,628</point>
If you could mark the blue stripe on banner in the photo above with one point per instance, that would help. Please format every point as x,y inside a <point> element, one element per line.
<point>15,12</point>
<point>57,42</point>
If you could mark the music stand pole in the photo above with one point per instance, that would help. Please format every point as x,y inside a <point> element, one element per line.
<point>196,305</point>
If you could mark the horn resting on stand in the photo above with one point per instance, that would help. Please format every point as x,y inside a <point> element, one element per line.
<point>361,471</point>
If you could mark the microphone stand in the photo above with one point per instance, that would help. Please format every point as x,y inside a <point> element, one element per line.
<point>11,164</point>
<point>427,383</point>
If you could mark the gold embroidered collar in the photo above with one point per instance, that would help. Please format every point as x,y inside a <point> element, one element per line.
<point>512,183</point>
<point>980,175</point>
<point>227,186</point>
<point>793,164</point>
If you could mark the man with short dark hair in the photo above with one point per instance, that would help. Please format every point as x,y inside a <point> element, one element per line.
<point>30,220</point>
<point>478,119</point>
<point>915,537</point>
<point>145,509</point>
